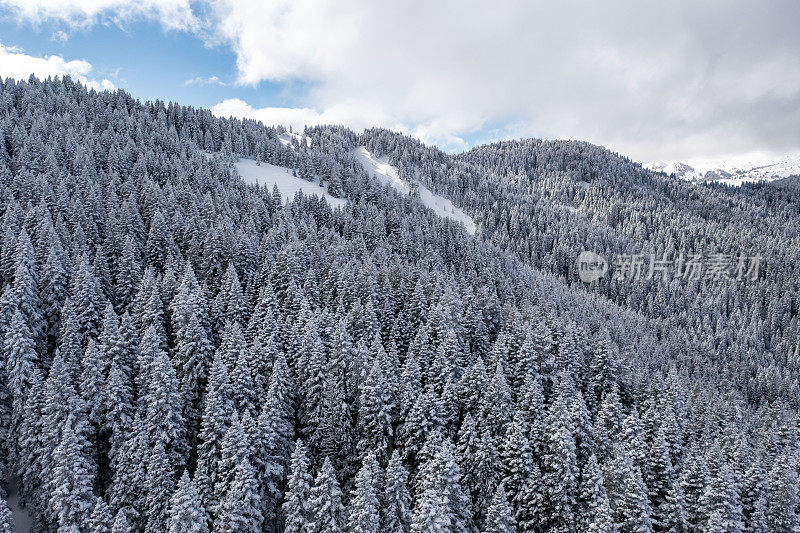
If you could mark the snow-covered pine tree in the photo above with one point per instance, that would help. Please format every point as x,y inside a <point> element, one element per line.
<point>186,511</point>
<point>363,510</point>
<point>296,511</point>
<point>325,502</point>
<point>499,518</point>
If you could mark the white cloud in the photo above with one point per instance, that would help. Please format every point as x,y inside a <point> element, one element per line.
<point>199,80</point>
<point>173,14</point>
<point>653,80</point>
<point>343,113</point>
<point>647,79</point>
<point>15,63</point>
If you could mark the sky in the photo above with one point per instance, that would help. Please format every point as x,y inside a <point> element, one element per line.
<point>650,80</point>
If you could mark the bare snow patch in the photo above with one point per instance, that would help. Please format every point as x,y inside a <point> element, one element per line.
<point>389,175</point>
<point>269,175</point>
<point>286,138</point>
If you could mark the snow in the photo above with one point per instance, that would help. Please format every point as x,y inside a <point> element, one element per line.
<point>389,175</point>
<point>23,522</point>
<point>286,138</point>
<point>734,170</point>
<point>270,175</point>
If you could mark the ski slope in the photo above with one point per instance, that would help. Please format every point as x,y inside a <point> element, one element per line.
<point>270,175</point>
<point>389,175</point>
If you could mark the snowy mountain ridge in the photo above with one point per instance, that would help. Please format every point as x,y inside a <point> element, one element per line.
<point>735,170</point>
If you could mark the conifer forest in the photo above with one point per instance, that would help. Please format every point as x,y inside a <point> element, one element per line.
<point>188,351</point>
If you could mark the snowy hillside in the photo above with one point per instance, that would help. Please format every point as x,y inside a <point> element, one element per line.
<point>732,171</point>
<point>386,173</point>
<point>270,175</point>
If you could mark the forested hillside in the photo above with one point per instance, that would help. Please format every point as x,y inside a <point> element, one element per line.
<point>186,352</point>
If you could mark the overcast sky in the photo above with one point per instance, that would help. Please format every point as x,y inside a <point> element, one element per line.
<point>651,80</point>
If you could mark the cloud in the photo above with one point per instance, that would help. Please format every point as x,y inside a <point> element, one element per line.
<point>60,36</point>
<point>653,80</point>
<point>343,113</point>
<point>15,63</point>
<point>173,14</point>
<point>199,80</point>
<point>648,79</point>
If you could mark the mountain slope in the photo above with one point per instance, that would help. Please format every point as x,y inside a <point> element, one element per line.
<point>184,349</point>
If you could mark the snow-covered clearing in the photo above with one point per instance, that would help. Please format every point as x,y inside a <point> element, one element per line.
<point>386,173</point>
<point>270,175</point>
<point>286,137</point>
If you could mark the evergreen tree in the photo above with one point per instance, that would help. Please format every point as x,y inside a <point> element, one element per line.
<point>165,423</point>
<point>72,499</point>
<point>782,496</point>
<point>396,509</point>
<point>186,512</point>
<point>298,489</point>
<point>363,511</point>
<point>6,518</point>
<point>241,509</point>
<point>499,519</point>
<point>325,502</point>
<point>560,469</point>
<point>101,520</point>
<point>160,487</point>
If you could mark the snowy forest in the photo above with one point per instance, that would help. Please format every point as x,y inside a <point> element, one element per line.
<point>183,351</point>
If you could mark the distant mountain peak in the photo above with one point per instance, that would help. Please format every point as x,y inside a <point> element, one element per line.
<point>733,171</point>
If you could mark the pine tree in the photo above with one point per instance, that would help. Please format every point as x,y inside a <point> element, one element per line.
<point>87,297</point>
<point>160,487</point>
<point>20,362</point>
<point>499,518</point>
<point>122,524</point>
<point>325,503</point>
<point>560,469</point>
<point>119,410</point>
<point>594,509</point>
<point>363,511</point>
<point>130,470</point>
<point>782,496</point>
<point>6,518</point>
<point>236,447</point>
<point>497,407</point>
<point>658,477</point>
<point>296,505</point>
<point>101,520</point>
<point>72,499</point>
<point>724,503</point>
<point>693,486</point>
<point>438,487</point>
<point>186,511</point>
<point>26,289</point>
<point>374,413</point>
<point>165,411</point>
<point>396,509</point>
<point>54,290</point>
<point>517,465</point>
<point>632,511</point>
<point>241,509</point>
<point>677,519</point>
